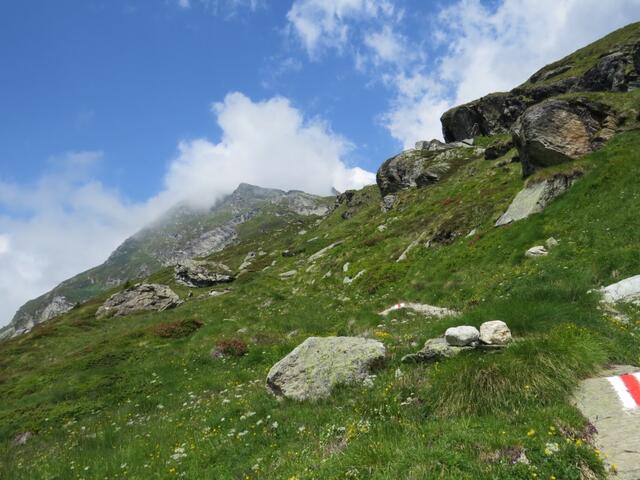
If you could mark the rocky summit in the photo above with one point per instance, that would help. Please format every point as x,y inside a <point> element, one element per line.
<point>475,314</point>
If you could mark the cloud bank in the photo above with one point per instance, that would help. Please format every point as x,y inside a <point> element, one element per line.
<point>67,221</point>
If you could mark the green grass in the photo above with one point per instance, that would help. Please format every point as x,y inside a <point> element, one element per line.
<point>113,399</point>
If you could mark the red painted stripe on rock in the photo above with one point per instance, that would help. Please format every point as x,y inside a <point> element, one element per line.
<point>633,386</point>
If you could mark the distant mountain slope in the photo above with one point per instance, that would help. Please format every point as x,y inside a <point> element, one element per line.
<point>181,233</point>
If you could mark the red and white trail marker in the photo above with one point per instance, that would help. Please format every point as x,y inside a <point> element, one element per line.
<point>628,389</point>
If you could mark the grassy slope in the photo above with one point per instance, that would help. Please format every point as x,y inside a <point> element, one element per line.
<point>111,399</point>
<point>585,58</point>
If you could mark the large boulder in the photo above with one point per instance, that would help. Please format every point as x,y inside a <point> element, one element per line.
<point>421,168</point>
<point>536,196</point>
<point>193,273</point>
<point>495,332</point>
<point>319,364</point>
<point>140,297</point>
<point>488,115</point>
<point>556,131</point>
<point>627,291</point>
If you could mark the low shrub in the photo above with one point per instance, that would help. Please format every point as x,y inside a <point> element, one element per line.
<point>177,329</point>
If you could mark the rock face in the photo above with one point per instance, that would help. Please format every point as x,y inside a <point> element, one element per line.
<point>461,336</point>
<point>140,297</point>
<point>421,168</point>
<point>316,366</point>
<point>536,196</point>
<point>495,332</point>
<point>57,306</point>
<point>486,116</point>
<point>556,131</point>
<point>193,273</point>
<point>617,71</point>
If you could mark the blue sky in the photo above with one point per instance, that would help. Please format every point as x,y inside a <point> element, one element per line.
<point>113,110</point>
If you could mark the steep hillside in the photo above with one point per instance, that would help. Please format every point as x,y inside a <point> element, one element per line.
<point>182,233</point>
<point>182,393</point>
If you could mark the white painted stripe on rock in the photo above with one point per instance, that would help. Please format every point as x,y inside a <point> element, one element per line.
<point>628,403</point>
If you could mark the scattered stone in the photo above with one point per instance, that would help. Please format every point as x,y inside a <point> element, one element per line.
<point>421,308</point>
<point>434,349</point>
<point>462,336</point>
<point>218,293</point>
<point>248,260</point>
<point>411,246</point>
<point>140,297</point>
<point>535,197</point>
<point>557,131</point>
<point>321,253</point>
<point>381,228</point>
<point>289,274</point>
<point>349,280</point>
<point>318,365</point>
<point>22,438</point>
<point>537,251</point>
<point>193,273</point>
<point>345,267</point>
<point>388,201</point>
<point>552,243</point>
<point>495,332</point>
<point>471,233</point>
<point>626,291</point>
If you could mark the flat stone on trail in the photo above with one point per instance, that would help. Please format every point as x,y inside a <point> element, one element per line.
<point>611,402</point>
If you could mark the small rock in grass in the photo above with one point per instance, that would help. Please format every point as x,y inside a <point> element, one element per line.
<point>537,251</point>
<point>552,242</point>
<point>461,336</point>
<point>495,332</point>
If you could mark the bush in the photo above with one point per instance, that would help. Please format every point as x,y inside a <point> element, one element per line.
<point>177,329</point>
<point>230,348</point>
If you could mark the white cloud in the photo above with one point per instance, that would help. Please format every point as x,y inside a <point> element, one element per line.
<point>326,23</point>
<point>490,50</point>
<point>67,221</point>
<point>5,243</point>
<point>184,3</point>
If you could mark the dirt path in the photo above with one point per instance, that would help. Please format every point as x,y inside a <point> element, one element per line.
<point>612,403</point>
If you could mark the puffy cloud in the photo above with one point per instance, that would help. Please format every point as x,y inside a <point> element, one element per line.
<point>327,23</point>
<point>494,48</point>
<point>184,3</point>
<point>67,221</point>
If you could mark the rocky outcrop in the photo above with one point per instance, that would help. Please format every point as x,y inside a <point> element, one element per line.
<point>140,297</point>
<point>556,131</point>
<point>616,71</point>
<point>24,321</point>
<point>434,349</point>
<point>498,149</point>
<point>319,364</point>
<point>421,168</point>
<point>536,196</point>
<point>488,115</point>
<point>193,273</point>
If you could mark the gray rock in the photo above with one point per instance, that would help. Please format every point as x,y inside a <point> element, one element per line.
<point>322,252</point>
<point>193,273</point>
<point>421,308</point>
<point>551,243</point>
<point>498,149</point>
<point>557,131</point>
<point>434,145</point>
<point>318,365</point>
<point>536,196</point>
<point>140,297</point>
<point>435,349</point>
<point>22,438</point>
<point>388,201</point>
<point>537,251</point>
<point>288,274</point>
<point>627,291</point>
<point>495,332</point>
<point>462,336</point>
<point>350,280</point>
